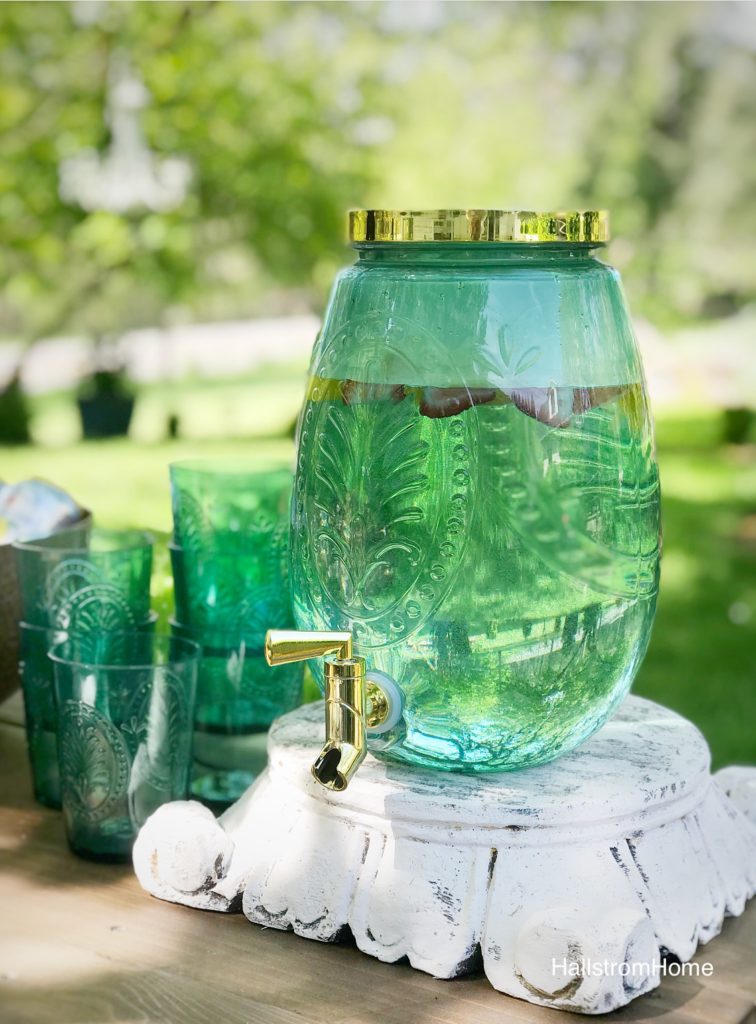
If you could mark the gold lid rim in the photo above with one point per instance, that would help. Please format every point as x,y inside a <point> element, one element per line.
<point>520,226</point>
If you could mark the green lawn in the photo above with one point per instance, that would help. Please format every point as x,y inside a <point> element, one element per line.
<point>702,659</point>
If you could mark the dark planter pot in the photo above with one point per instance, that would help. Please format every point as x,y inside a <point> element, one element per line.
<point>106,415</point>
<point>737,425</point>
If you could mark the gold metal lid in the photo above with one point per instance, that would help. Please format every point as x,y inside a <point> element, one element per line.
<point>478,226</point>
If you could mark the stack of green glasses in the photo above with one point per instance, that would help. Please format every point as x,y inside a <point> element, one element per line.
<point>231,584</point>
<point>73,583</point>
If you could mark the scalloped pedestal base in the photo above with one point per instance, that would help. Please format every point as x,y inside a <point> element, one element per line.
<point>568,883</point>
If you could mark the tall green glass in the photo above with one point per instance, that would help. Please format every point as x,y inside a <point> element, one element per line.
<point>230,561</point>
<point>477,497</point>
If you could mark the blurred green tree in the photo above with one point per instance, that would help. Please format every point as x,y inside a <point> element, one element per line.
<point>289,112</point>
<point>257,110</point>
<point>648,109</point>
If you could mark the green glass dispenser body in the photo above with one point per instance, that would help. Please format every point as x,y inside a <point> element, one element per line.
<point>477,496</point>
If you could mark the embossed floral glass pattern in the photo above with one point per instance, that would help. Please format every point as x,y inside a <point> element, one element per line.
<point>126,705</point>
<point>230,565</point>
<point>101,585</point>
<point>40,707</point>
<point>477,497</point>
<point>226,504</point>
<point>238,697</point>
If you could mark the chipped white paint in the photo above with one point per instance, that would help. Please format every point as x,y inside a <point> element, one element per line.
<point>739,783</point>
<point>622,851</point>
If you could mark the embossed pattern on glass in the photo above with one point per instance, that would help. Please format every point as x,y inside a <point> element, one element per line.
<point>40,708</point>
<point>126,705</point>
<point>477,497</point>
<point>230,560</point>
<point>225,504</point>
<point>101,584</point>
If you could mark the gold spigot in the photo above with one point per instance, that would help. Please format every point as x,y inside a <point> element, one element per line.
<point>353,703</point>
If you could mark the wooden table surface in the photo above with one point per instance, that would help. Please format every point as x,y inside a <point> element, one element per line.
<point>81,943</point>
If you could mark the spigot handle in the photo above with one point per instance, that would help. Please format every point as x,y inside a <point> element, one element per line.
<point>282,646</point>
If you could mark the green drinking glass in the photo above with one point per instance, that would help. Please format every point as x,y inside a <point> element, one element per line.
<point>242,594</point>
<point>100,585</point>
<point>238,697</point>
<point>40,708</point>
<point>227,504</point>
<point>126,705</point>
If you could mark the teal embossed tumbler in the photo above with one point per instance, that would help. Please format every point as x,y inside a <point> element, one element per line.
<point>37,677</point>
<point>126,706</point>
<point>230,560</point>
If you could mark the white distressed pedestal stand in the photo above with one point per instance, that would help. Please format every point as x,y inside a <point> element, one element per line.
<point>621,853</point>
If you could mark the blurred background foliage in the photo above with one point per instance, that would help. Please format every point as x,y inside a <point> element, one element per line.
<point>258,122</point>
<point>287,114</point>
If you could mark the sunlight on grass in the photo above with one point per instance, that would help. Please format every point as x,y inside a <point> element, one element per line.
<point>701,479</point>
<point>680,570</point>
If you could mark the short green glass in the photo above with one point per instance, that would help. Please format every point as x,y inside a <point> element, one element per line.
<point>238,697</point>
<point>40,707</point>
<point>226,504</point>
<point>477,497</point>
<point>101,584</point>
<point>126,706</point>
